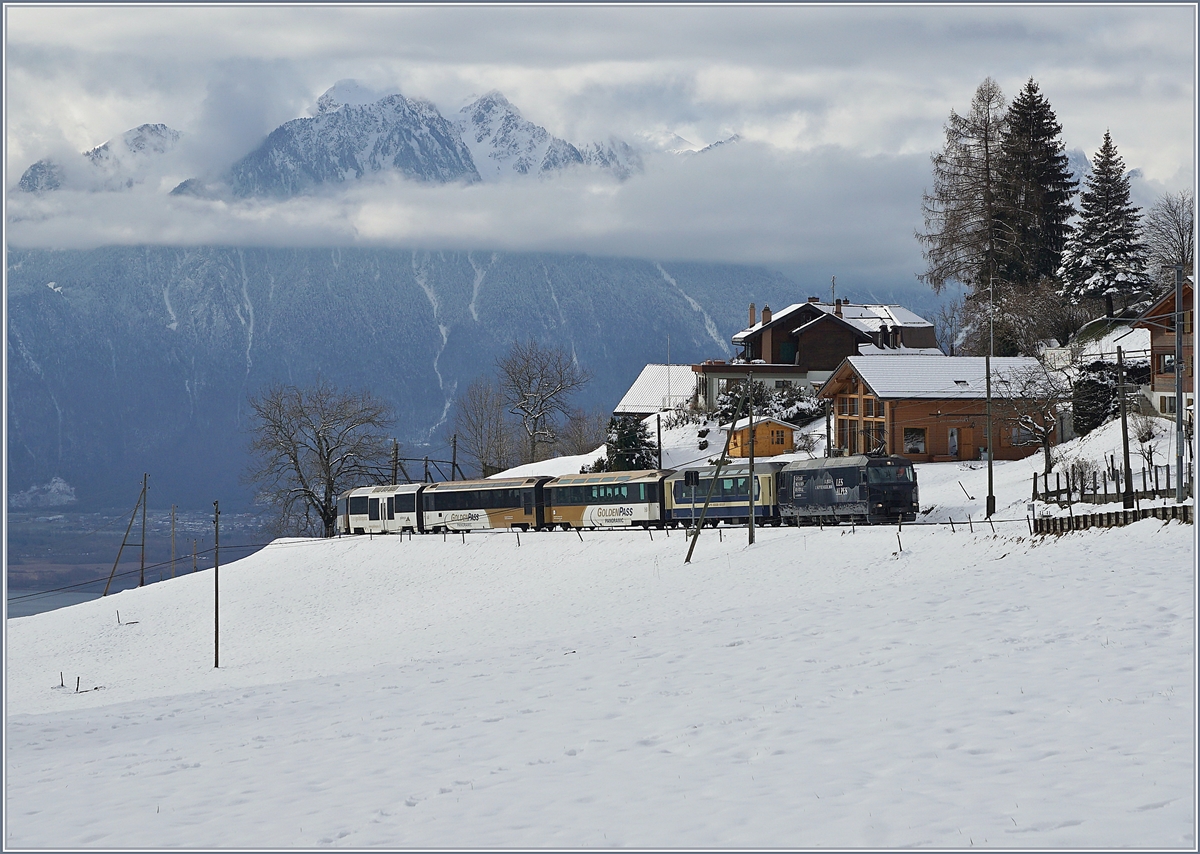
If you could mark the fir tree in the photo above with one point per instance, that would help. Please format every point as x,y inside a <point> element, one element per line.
<point>1035,188</point>
<point>1105,256</point>
<point>629,447</point>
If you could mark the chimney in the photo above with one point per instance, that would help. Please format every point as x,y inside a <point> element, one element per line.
<point>898,332</point>
<point>880,336</point>
<point>766,315</point>
<point>814,299</point>
<point>753,315</point>
<point>837,306</point>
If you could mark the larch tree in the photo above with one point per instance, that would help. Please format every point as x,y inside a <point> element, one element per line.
<point>962,240</point>
<point>1105,256</point>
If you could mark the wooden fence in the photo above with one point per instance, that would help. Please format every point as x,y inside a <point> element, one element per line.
<point>1106,487</point>
<point>1112,519</point>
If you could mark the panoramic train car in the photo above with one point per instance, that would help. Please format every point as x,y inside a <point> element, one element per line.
<point>480,505</point>
<point>608,500</point>
<point>379,509</point>
<point>730,500</point>
<point>852,489</point>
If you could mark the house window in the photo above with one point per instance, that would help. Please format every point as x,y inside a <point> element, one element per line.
<point>847,435</point>
<point>783,383</point>
<point>914,440</point>
<point>1166,404</point>
<point>874,438</point>
<point>847,405</point>
<point>776,437</point>
<point>1022,435</point>
<point>1166,363</point>
<point>868,407</point>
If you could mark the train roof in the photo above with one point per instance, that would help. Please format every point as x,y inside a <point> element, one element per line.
<point>731,468</point>
<point>489,483</point>
<point>391,489</point>
<point>641,475</point>
<point>853,461</point>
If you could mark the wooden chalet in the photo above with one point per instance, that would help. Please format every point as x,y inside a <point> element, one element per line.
<point>927,408</point>
<point>771,437</point>
<point>802,344</point>
<point>1159,319</point>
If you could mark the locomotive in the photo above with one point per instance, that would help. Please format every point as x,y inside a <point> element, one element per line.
<point>861,489</point>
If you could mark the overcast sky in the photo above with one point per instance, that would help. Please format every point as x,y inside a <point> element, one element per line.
<point>838,107</point>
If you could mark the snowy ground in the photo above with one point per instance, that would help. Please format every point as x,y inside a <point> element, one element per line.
<point>849,688</point>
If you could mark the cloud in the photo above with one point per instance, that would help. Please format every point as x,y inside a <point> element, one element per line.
<point>746,202</point>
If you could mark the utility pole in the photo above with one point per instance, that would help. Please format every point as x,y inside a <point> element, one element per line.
<point>1127,491</point>
<point>828,429</point>
<point>1179,492</point>
<point>750,479</point>
<point>395,458</point>
<point>658,425</point>
<point>716,474</point>
<point>216,584</point>
<point>124,539</point>
<point>142,576</point>
<point>172,540</point>
<point>193,555</point>
<point>987,368</point>
<point>453,455</point>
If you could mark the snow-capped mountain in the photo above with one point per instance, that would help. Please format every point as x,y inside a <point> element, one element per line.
<point>348,141</point>
<point>505,145</point>
<point>133,158</point>
<point>615,155</point>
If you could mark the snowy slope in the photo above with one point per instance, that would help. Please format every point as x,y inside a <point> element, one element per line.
<point>838,687</point>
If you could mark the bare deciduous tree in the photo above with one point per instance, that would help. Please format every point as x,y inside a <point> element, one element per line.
<point>537,383</point>
<point>1029,403</point>
<point>484,431</point>
<point>583,432</point>
<point>949,322</point>
<point>309,445</point>
<point>1170,234</point>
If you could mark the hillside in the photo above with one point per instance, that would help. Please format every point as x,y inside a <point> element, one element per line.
<point>838,687</point>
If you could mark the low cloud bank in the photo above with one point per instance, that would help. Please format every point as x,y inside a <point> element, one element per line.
<point>742,203</point>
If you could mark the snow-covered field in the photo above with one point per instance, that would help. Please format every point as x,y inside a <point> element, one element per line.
<point>837,687</point>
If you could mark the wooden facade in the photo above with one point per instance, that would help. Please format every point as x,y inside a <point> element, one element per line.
<point>1160,320</point>
<point>771,437</point>
<point>924,429</point>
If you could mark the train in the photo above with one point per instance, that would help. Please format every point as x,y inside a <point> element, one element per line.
<point>861,489</point>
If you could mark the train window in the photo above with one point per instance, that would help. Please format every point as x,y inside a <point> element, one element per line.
<point>358,505</point>
<point>341,506</point>
<point>890,474</point>
<point>391,507</point>
<point>373,514</point>
<point>406,502</point>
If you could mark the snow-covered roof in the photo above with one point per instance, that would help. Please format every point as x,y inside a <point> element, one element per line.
<point>658,387</point>
<point>933,377</point>
<point>866,318</point>
<point>872,350</point>
<point>743,423</point>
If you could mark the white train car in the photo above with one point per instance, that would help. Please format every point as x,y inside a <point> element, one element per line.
<point>380,509</point>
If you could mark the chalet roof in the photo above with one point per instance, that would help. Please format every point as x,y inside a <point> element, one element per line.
<point>1163,306</point>
<point>872,350</point>
<point>931,377</point>
<point>658,387</point>
<point>743,423</point>
<point>866,318</point>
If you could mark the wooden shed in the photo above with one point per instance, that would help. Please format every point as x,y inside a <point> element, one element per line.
<point>771,437</point>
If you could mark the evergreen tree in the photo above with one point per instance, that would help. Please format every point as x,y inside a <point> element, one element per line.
<point>630,446</point>
<point>962,238</point>
<point>1105,256</point>
<point>1035,188</point>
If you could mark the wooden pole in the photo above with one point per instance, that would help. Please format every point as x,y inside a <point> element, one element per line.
<point>750,479</point>
<point>128,528</point>
<point>216,584</point>
<point>172,540</point>
<point>142,576</point>
<point>1127,493</point>
<point>711,483</point>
